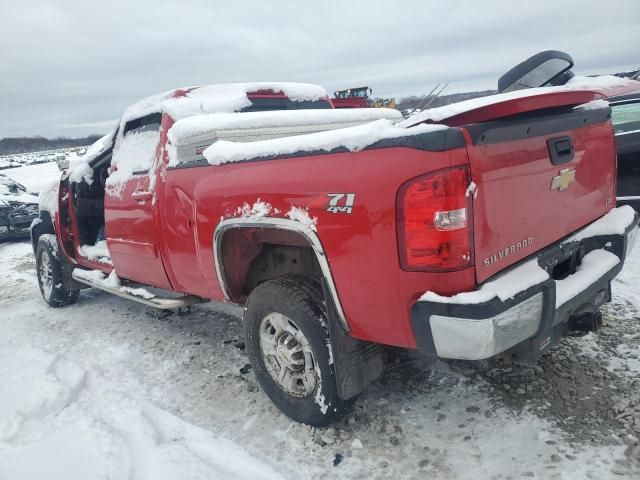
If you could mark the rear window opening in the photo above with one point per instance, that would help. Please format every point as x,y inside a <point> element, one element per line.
<point>259,104</point>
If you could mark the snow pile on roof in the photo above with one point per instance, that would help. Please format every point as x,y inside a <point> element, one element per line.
<point>12,191</point>
<point>577,83</point>
<point>352,138</point>
<point>225,97</point>
<point>64,420</point>
<point>504,287</point>
<point>599,82</point>
<point>186,129</point>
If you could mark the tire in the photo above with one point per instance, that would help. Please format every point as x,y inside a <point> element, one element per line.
<point>284,324</point>
<point>50,274</point>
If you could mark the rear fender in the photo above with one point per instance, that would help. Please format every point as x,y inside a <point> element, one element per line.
<point>357,362</point>
<point>302,236</point>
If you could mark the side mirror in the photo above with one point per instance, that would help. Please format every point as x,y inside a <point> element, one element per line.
<point>550,67</point>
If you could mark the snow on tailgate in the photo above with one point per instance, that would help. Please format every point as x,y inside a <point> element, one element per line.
<point>352,138</point>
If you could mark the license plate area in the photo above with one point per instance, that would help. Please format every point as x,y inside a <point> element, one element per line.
<point>561,260</point>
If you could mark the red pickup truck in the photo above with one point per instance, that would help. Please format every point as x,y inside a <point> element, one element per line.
<point>483,229</point>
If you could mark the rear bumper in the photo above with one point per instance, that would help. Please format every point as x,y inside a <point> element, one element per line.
<point>527,309</point>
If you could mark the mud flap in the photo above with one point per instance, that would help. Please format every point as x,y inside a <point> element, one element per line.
<point>357,363</point>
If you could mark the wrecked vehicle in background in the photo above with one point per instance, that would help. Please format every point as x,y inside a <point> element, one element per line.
<point>482,229</point>
<point>18,208</point>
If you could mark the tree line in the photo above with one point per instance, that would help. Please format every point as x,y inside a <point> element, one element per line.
<point>37,144</point>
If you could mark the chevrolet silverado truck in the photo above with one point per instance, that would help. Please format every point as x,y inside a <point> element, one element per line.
<point>482,229</point>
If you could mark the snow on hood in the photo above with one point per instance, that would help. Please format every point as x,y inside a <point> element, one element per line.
<point>187,128</point>
<point>12,191</point>
<point>220,98</point>
<point>576,83</point>
<point>352,138</point>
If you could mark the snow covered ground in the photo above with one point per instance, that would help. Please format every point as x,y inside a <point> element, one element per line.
<point>34,177</point>
<point>22,159</point>
<point>108,389</point>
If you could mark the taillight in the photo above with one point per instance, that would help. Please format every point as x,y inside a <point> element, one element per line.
<point>434,221</point>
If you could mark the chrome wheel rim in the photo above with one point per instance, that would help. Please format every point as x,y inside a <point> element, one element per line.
<point>46,274</point>
<point>287,355</point>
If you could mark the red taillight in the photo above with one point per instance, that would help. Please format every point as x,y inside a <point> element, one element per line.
<point>434,221</point>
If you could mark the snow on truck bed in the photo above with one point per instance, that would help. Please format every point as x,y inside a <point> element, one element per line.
<point>352,138</point>
<point>191,128</point>
<point>252,127</point>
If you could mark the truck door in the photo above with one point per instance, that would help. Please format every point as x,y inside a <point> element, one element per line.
<point>131,223</point>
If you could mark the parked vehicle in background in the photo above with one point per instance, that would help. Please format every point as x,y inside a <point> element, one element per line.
<point>551,68</point>
<point>18,208</point>
<point>351,97</point>
<point>625,115</point>
<point>470,231</point>
<point>360,98</point>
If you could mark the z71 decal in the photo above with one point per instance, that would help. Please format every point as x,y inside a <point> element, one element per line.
<point>333,202</point>
<point>341,202</point>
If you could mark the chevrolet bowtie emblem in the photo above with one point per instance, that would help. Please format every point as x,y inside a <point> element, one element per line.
<point>563,179</point>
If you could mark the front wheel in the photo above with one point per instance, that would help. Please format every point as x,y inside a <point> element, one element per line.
<point>290,351</point>
<point>50,274</point>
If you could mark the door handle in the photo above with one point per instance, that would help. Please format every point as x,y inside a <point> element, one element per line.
<point>560,150</point>
<point>141,195</point>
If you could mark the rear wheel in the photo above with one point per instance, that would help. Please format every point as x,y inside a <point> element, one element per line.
<point>290,352</point>
<point>50,274</point>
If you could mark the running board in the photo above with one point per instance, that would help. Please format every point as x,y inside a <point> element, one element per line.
<point>164,300</point>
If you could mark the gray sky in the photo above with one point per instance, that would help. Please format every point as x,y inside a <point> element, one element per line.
<point>70,67</point>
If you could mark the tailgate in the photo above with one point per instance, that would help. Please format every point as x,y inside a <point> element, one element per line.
<point>540,176</point>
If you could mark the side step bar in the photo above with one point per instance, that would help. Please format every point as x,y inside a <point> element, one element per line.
<point>167,302</point>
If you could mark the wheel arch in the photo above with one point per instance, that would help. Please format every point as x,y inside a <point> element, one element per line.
<point>44,226</point>
<point>280,232</point>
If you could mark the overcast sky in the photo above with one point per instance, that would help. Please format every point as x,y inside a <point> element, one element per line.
<point>70,67</point>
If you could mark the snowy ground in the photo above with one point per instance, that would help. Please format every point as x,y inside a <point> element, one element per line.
<point>110,389</point>
<point>22,159</point>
